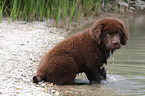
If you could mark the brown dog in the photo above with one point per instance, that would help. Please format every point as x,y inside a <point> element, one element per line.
<point>83,52</point>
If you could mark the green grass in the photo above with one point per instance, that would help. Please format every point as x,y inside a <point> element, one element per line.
<point>58,10</point>
<point>2,3</point>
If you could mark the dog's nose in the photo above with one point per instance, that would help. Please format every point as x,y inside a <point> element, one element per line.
<point>115,42</point>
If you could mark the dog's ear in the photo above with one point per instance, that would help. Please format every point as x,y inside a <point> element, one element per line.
<point>124,35</point>
<point>96,30</point>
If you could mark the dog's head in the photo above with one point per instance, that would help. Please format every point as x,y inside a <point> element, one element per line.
<point>110,32</point>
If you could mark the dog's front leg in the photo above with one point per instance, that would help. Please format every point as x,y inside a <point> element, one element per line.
<point>93,74</point>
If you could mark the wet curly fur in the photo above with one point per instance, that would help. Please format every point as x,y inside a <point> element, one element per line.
<point>85,51</point>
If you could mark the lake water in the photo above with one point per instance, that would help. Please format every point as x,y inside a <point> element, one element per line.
<point>129,63</point>
<point>126,73</point>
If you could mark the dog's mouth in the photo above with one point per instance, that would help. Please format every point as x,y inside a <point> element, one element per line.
<point>117,46</point>
<point>113,47</point>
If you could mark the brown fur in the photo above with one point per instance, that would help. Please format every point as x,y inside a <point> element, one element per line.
<point>86,51</point>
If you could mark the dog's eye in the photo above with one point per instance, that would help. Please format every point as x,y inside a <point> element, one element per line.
<point>118,33</point>
<point>107,35</point>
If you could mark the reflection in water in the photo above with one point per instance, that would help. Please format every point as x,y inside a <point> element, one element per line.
<point>126,76</point>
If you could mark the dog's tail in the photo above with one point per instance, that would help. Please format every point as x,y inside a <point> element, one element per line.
<point>37,79</point>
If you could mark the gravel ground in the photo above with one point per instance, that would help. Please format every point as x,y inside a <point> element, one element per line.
<point>21,46</point>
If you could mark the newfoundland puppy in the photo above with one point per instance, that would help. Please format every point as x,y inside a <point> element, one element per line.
<point>85,51</point>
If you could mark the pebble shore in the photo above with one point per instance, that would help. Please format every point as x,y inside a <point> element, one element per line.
<point>21,47</point>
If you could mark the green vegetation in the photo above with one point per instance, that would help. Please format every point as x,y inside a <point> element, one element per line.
<point>59,10</point>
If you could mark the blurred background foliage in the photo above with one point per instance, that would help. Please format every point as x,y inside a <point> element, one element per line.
<point>64,10</point>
